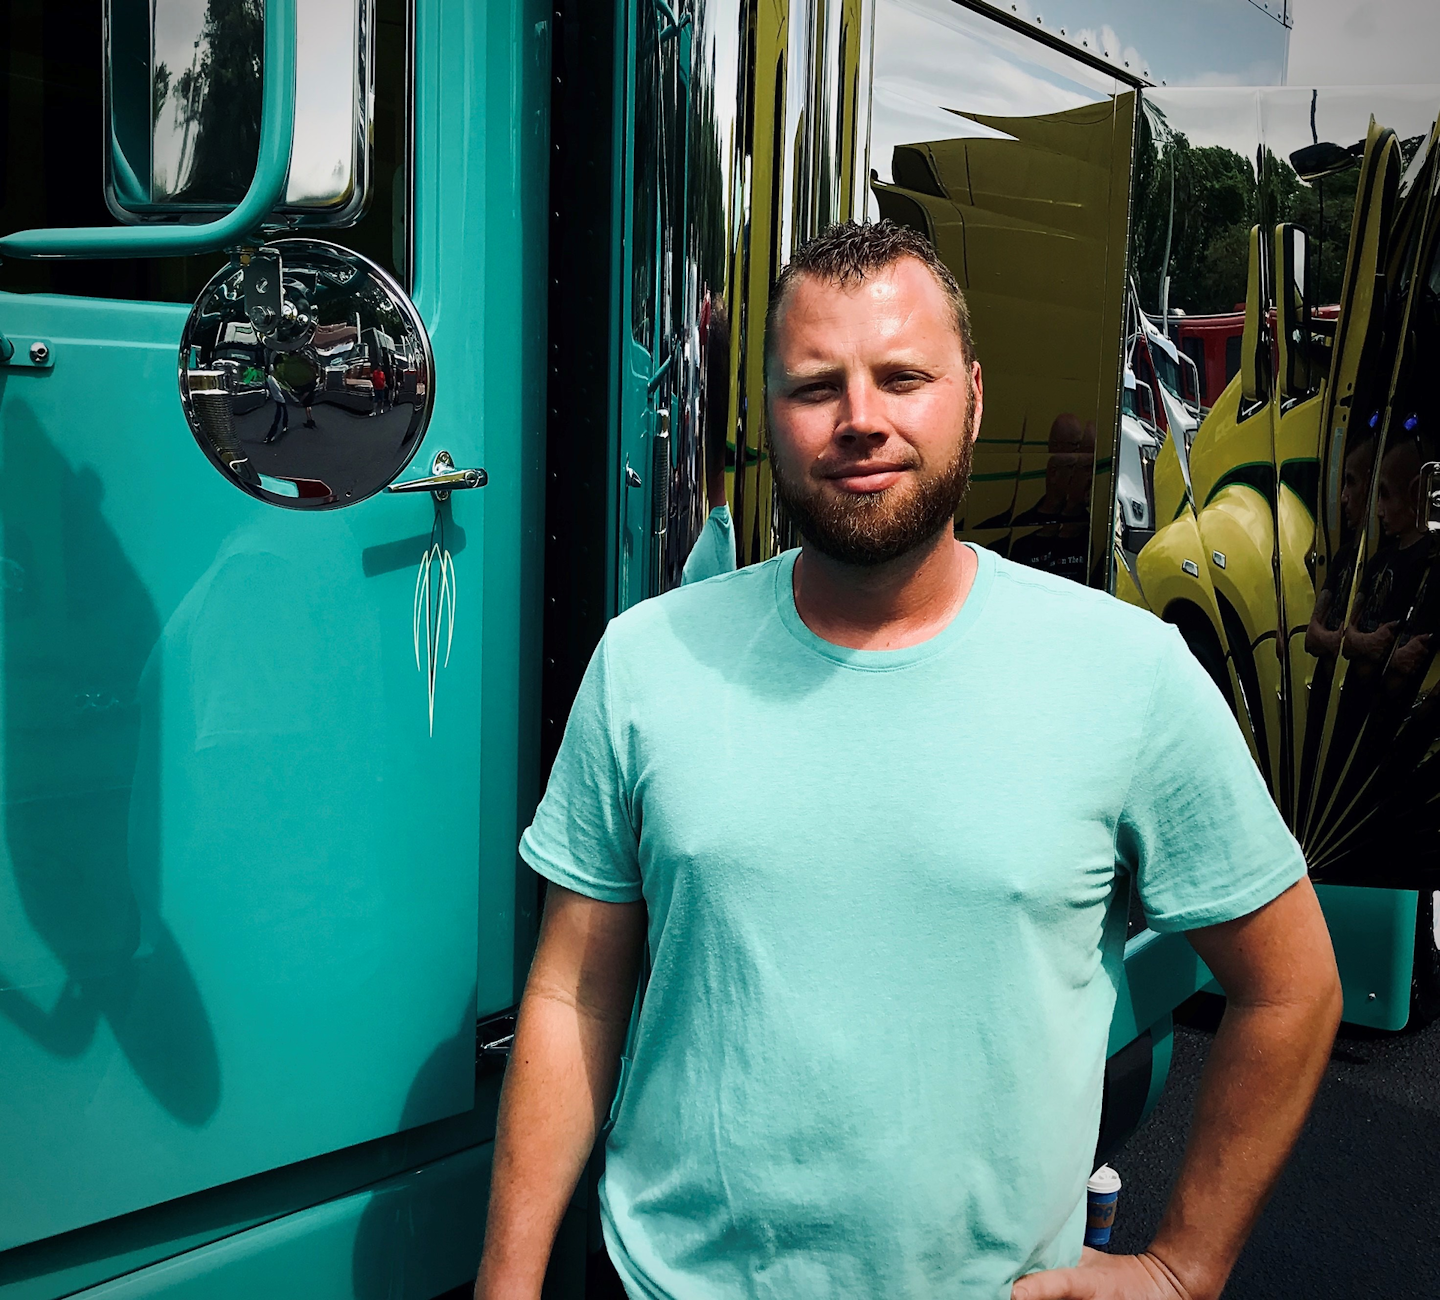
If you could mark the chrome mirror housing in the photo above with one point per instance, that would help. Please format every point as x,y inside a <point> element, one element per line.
<point>183,92</point>
<point>306,375</point>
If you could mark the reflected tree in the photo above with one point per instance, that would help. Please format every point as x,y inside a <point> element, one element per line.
<point>217,103</point>
<point>1215,202</point>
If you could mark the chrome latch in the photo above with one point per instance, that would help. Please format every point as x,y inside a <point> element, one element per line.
<point>494,1037</point>
<point>444,479</point>
<point>1429,504</point>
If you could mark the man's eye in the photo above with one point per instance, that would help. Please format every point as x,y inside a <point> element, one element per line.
<point>906,379</point>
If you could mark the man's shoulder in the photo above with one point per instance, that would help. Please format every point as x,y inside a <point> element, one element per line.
<point>1053,603</point>
<point>722,606</point>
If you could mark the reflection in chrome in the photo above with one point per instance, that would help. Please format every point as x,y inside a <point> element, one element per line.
<point>749,127</point>
<point>306,375</point>
<point>1019,173</point>
<point>434,608</point>
<point>183,84</point>
<point>1303,284</point>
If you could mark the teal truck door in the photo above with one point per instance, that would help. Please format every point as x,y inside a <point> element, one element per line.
<point>239,875</point>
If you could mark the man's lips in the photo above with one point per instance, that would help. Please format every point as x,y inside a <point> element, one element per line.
<point>867,477</point>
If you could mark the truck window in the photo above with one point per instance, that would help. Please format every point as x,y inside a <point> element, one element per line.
<point>1167,368</point>
<point>1195,350</point>
<point>52,163</point>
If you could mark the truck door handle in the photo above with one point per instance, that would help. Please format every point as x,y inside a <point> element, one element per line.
<point>443,479</point>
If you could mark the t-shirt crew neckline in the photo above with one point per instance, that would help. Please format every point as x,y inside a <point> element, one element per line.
<point>881,661</point>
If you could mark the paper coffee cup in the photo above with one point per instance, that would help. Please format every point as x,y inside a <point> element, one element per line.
<point>1102,1194</point>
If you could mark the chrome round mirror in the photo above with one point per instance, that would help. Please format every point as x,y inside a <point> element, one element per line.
<point>306,375</point>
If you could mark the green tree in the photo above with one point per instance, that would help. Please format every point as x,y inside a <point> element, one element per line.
<point>1216,200</point>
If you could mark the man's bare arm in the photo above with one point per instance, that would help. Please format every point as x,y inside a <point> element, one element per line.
<point>559,1081</point>
<point>1283,1006</point>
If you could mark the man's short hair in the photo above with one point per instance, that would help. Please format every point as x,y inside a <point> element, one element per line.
<point>851,252</point>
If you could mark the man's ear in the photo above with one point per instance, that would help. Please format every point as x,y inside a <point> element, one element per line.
<point>977,395</point>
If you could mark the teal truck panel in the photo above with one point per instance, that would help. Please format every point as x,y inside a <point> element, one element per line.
<point>408,1238</point>
<point>249,906</point>
<point>239,880</point>
<point>482,145</point>
<point>61,1266</point>
<point>1373,931</point>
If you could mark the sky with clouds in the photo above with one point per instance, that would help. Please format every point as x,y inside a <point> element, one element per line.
<point>1242,43</point>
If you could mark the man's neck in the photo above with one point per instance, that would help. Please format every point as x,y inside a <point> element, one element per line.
<point>885,606</point>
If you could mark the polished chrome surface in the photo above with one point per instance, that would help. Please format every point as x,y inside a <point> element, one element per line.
<point>326,403</point>
<point>443,478</point>
<point>1020,176</point>
<point>184,107</point>
<point>1296,550</point>
<point>749,136</point>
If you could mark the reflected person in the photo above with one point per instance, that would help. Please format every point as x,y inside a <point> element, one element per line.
<point>1062,544</point>
<point>1388,586</point>
<point>280,420</point>
<point>1323,636</point>
<point>714,550</point>
<point>901,861</point>
<point>1392,576</point>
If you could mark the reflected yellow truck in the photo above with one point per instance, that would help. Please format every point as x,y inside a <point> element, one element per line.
<point>1300,603</point>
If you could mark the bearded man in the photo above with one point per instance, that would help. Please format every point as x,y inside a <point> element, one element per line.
<point>869,1056</point>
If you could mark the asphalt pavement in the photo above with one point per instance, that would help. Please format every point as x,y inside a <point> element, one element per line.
<point>1357,1211</point>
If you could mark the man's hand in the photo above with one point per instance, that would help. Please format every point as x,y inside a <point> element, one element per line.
<point>1370,647</point>
<point>1321,642</point>
<point>1099,1276</point>
<point>1409,658</point>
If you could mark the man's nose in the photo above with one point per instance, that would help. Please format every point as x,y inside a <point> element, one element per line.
<point>861,413</point>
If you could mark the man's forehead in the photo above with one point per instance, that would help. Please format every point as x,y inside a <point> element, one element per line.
<point>889,303</point>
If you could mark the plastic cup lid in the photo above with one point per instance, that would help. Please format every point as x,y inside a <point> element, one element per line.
<point>1104,1181</point>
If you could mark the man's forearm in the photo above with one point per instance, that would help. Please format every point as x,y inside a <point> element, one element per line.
<point>557,1089</point>
<point>1262,1074</point>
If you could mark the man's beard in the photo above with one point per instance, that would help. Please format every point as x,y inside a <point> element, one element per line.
<point>870,528</point>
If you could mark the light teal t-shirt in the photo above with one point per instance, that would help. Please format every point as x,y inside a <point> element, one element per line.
<point>886,919</point>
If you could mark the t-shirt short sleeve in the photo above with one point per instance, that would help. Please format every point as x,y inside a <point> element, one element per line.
<point>582,836</point>
<point>1198,827</point>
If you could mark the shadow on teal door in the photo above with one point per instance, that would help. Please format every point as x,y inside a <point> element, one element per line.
<point>238,875</point>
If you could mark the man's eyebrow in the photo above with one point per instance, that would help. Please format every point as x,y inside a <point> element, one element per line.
<point>802,371</point>
<point>815,370</point>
